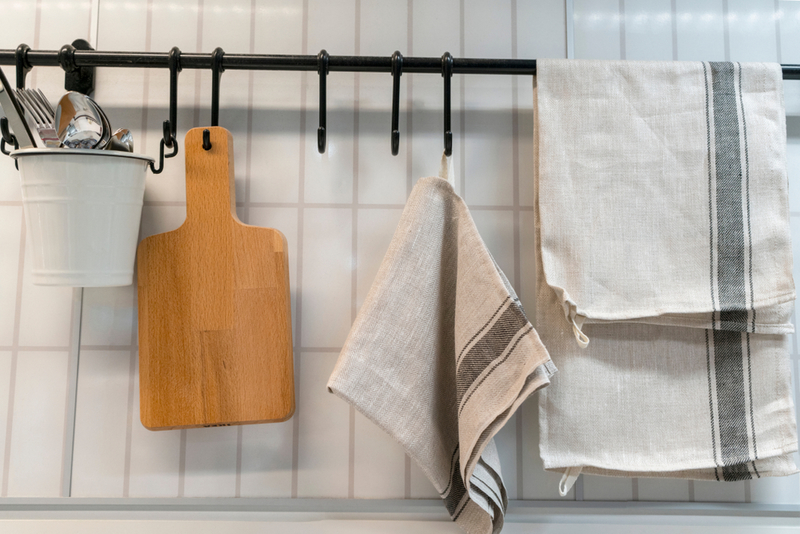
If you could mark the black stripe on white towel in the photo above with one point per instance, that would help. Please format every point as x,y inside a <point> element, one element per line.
<point>727,356</point>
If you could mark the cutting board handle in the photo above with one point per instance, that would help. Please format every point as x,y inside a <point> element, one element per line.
<point>210,184</point>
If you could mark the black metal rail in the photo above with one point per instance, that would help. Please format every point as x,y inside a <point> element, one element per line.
<point>79,63</point>
<point>95,58</point>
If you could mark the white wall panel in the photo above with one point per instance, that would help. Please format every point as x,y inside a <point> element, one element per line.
<point>326,279</point>
<point>45,318</point>
<point>329,176</point>
<point>381,177</point>
<point>275,141</point>
<point>648,29</point>
<point>101,424</point>
<point>37,429</point>
<point>266,469</point>
<point>210,468</point>
<point>752,26</point>
<point>323,439</point>
<point>597,29</point>
<point>706,491</point>
<point>789,25</point>
<point>109,316</point>
<point>335,242</point>
<point>10,240</point>
<point>597,488</point>
<point>434,31</point>
<point>5,388</point>
<point>486,155</point>
<point>155,457</point>
<point>700,30</point>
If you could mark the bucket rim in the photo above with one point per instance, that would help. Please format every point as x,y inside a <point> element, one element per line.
<point>24,152</point>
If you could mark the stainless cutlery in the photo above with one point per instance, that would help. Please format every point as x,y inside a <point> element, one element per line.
<point>40,112</point>
<point>14,113</point>
<point>76,122</point>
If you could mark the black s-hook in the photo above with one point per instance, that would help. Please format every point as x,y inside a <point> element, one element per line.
<point>23,64</point>
<point>322,68</point>
<point>23,68</point>
<point>447,73</point>
<point>397,71</point>
<point>170,126</point>
<point>216,73</point>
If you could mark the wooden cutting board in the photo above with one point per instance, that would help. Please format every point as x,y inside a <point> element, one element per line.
<point>215,330</point>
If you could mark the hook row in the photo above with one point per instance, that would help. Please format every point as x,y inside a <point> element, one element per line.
<point>397,72</point>
<point>82,79</point>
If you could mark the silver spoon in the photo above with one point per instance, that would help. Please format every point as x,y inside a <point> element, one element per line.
<point>106,126</point>
<point>121,140</point>
<point>79,124</point>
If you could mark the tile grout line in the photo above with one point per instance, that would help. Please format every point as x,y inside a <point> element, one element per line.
<point>298,292</point>
<point>777,16</point>
<point>12,381</point>
<point>182,464</point>
<point>246,210</point>
<point>198,48</point>
<point>409,183</point>
<point>197,91</point>
<point>14,356</point>
<point>569,15</point>
<point>517,244</point>
<point>462,112</point>
<point>409,98</point>
<point>726,30</point>
<point>239,443</point>
<point>797,392</point>
<point>133,350</point>
<point>132,357</point>
<point>94,23</point>
<point>579,487</point>
<point>622,45</point>
<point>71,403</point>
<point>351,460</point>
<point>674,23</point>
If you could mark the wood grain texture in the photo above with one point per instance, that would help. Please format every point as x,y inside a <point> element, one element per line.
<point>215,340</point>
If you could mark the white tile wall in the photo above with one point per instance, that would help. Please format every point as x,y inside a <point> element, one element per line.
<point>338,211</point>
<point>101,423</point>
<point>35,436</point>
<point>323,436</point>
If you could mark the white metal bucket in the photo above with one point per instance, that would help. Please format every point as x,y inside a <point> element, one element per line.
<point>82,211</point>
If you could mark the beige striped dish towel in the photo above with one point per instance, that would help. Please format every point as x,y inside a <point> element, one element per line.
<point>664,269</point>
<point>441,354</point>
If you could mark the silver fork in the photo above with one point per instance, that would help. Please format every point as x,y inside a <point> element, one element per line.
<point>40,111</point>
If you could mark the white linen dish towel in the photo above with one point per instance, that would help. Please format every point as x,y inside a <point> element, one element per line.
<point>662,228</point>
<point>441,353</point>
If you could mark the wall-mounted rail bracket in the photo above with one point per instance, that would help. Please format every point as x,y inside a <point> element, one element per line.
<point>80,79</point>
